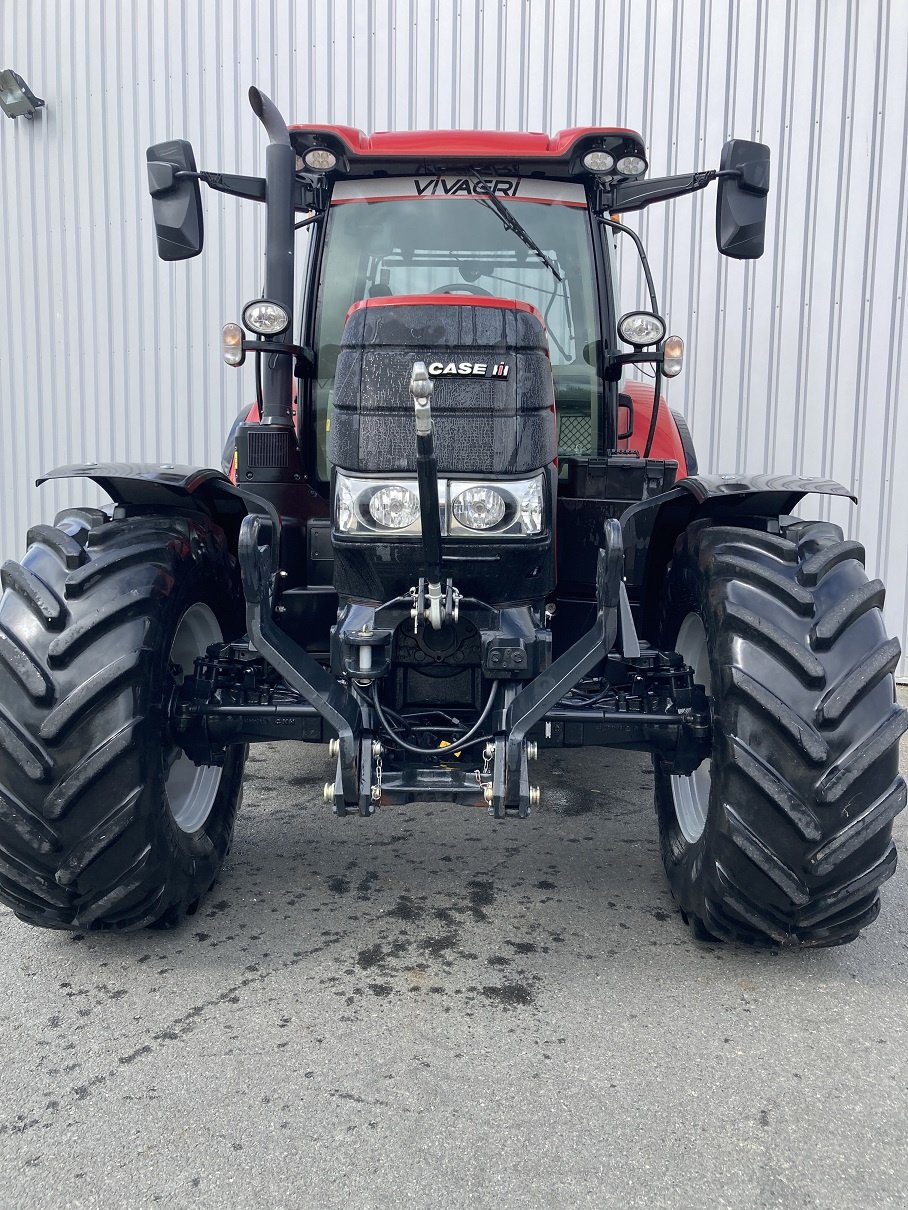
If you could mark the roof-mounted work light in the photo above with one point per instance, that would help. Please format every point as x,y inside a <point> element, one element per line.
<point>320,159</point>
<point>16,98</point>
<point>598,161</point>
<point>631,165</point>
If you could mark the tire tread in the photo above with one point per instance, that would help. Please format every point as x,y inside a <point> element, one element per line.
<point>24,667</point>
<point>818,565</point>
<point>41,599</point>
<point>87,840</point>
<point>830,625</point>
<point>865,676</point>
<point>805,778</point>
<point>70,552</point>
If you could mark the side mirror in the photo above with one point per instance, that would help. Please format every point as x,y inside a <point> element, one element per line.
<point>176,200</point>
<point>741,204</point>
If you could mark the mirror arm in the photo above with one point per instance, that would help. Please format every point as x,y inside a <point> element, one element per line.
<point>620,227</point>
<point>253,189</point>
<point>626,196</point>
<point>751,177</point>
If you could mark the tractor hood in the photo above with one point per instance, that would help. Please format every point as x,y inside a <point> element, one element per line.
<point>493,420</point>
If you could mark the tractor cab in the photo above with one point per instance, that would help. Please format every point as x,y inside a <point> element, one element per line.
<point>482,215</point>
<point>437,237</point>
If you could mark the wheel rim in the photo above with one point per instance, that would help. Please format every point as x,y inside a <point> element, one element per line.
<point>691,793</point>
<point>192,789</point>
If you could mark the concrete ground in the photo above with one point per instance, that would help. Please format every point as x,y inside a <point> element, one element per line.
<point>433,1009</point>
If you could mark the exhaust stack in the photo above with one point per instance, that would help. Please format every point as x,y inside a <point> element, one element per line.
<point>280,171</point>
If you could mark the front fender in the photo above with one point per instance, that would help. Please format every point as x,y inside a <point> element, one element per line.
<point>153,485</point>
<point>652,527</point>
<point>144,482</point>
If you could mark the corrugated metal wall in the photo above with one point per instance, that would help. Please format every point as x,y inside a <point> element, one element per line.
<point>794,362</point>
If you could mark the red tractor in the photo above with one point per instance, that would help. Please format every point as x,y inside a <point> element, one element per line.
<point>444,538</point>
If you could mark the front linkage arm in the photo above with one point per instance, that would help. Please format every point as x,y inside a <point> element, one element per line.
<point>531,703</point>
<point>304,674</point>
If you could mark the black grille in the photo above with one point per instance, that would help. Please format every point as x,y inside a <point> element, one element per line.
<point>575,434</point>
<point>269,451</point>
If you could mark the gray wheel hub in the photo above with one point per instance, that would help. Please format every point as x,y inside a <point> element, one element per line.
<point>192,789</point>
<point>691,793</point>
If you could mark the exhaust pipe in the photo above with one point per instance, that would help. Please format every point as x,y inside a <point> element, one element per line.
<point>280,174</point>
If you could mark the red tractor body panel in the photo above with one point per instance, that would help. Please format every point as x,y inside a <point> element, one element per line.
<point>458,144</point>
<point>558,156</point>
<point>448,300</point>
<point>667,442</point>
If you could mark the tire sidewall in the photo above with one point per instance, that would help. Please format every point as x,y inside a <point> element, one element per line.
<point>804,775</point>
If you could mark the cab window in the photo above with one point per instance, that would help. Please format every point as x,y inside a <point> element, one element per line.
<point>447,245</point>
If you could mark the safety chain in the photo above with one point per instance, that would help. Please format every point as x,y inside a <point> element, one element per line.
<point>376,787</point>
<point>488,753</point>
<point>482,775</point>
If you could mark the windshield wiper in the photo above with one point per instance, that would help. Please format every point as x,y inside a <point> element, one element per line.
<point>512,224</point>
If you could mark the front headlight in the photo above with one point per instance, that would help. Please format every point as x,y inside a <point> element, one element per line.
<point>479,507</point>
<point>265,318</point>
<point>468,508</point>
<point>394,506</point>
<point>641,328</point>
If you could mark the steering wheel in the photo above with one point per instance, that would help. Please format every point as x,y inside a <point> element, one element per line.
<point>462,288</point>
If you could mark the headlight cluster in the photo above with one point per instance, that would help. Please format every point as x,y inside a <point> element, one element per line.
<point>394,507</point>
<point>602,163</point>
<point>641,328</point>
<point>511,507</point>
<point>479,508</point>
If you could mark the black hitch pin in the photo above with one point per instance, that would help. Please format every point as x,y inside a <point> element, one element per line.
<point>434,603</point>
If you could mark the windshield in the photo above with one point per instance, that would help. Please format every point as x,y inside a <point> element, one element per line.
<point>434,242</point>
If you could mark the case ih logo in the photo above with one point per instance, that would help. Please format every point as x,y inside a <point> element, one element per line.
<point>466,187</point>
<point>468,369</point>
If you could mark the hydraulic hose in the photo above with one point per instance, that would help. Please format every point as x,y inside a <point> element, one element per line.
<point>657,400</point>
<point>462,742</point>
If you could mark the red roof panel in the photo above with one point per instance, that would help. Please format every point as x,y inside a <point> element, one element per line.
<point>446,300</point>
<point>463,144</point>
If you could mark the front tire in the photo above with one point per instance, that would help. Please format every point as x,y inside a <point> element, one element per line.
<point>785,835</point>
<point>104,822</point>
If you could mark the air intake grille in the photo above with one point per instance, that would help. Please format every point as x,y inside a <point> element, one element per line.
<point>575,435</point>
<point>269,450</point>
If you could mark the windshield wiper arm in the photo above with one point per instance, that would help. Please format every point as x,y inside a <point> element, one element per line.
<point>513,224</point>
